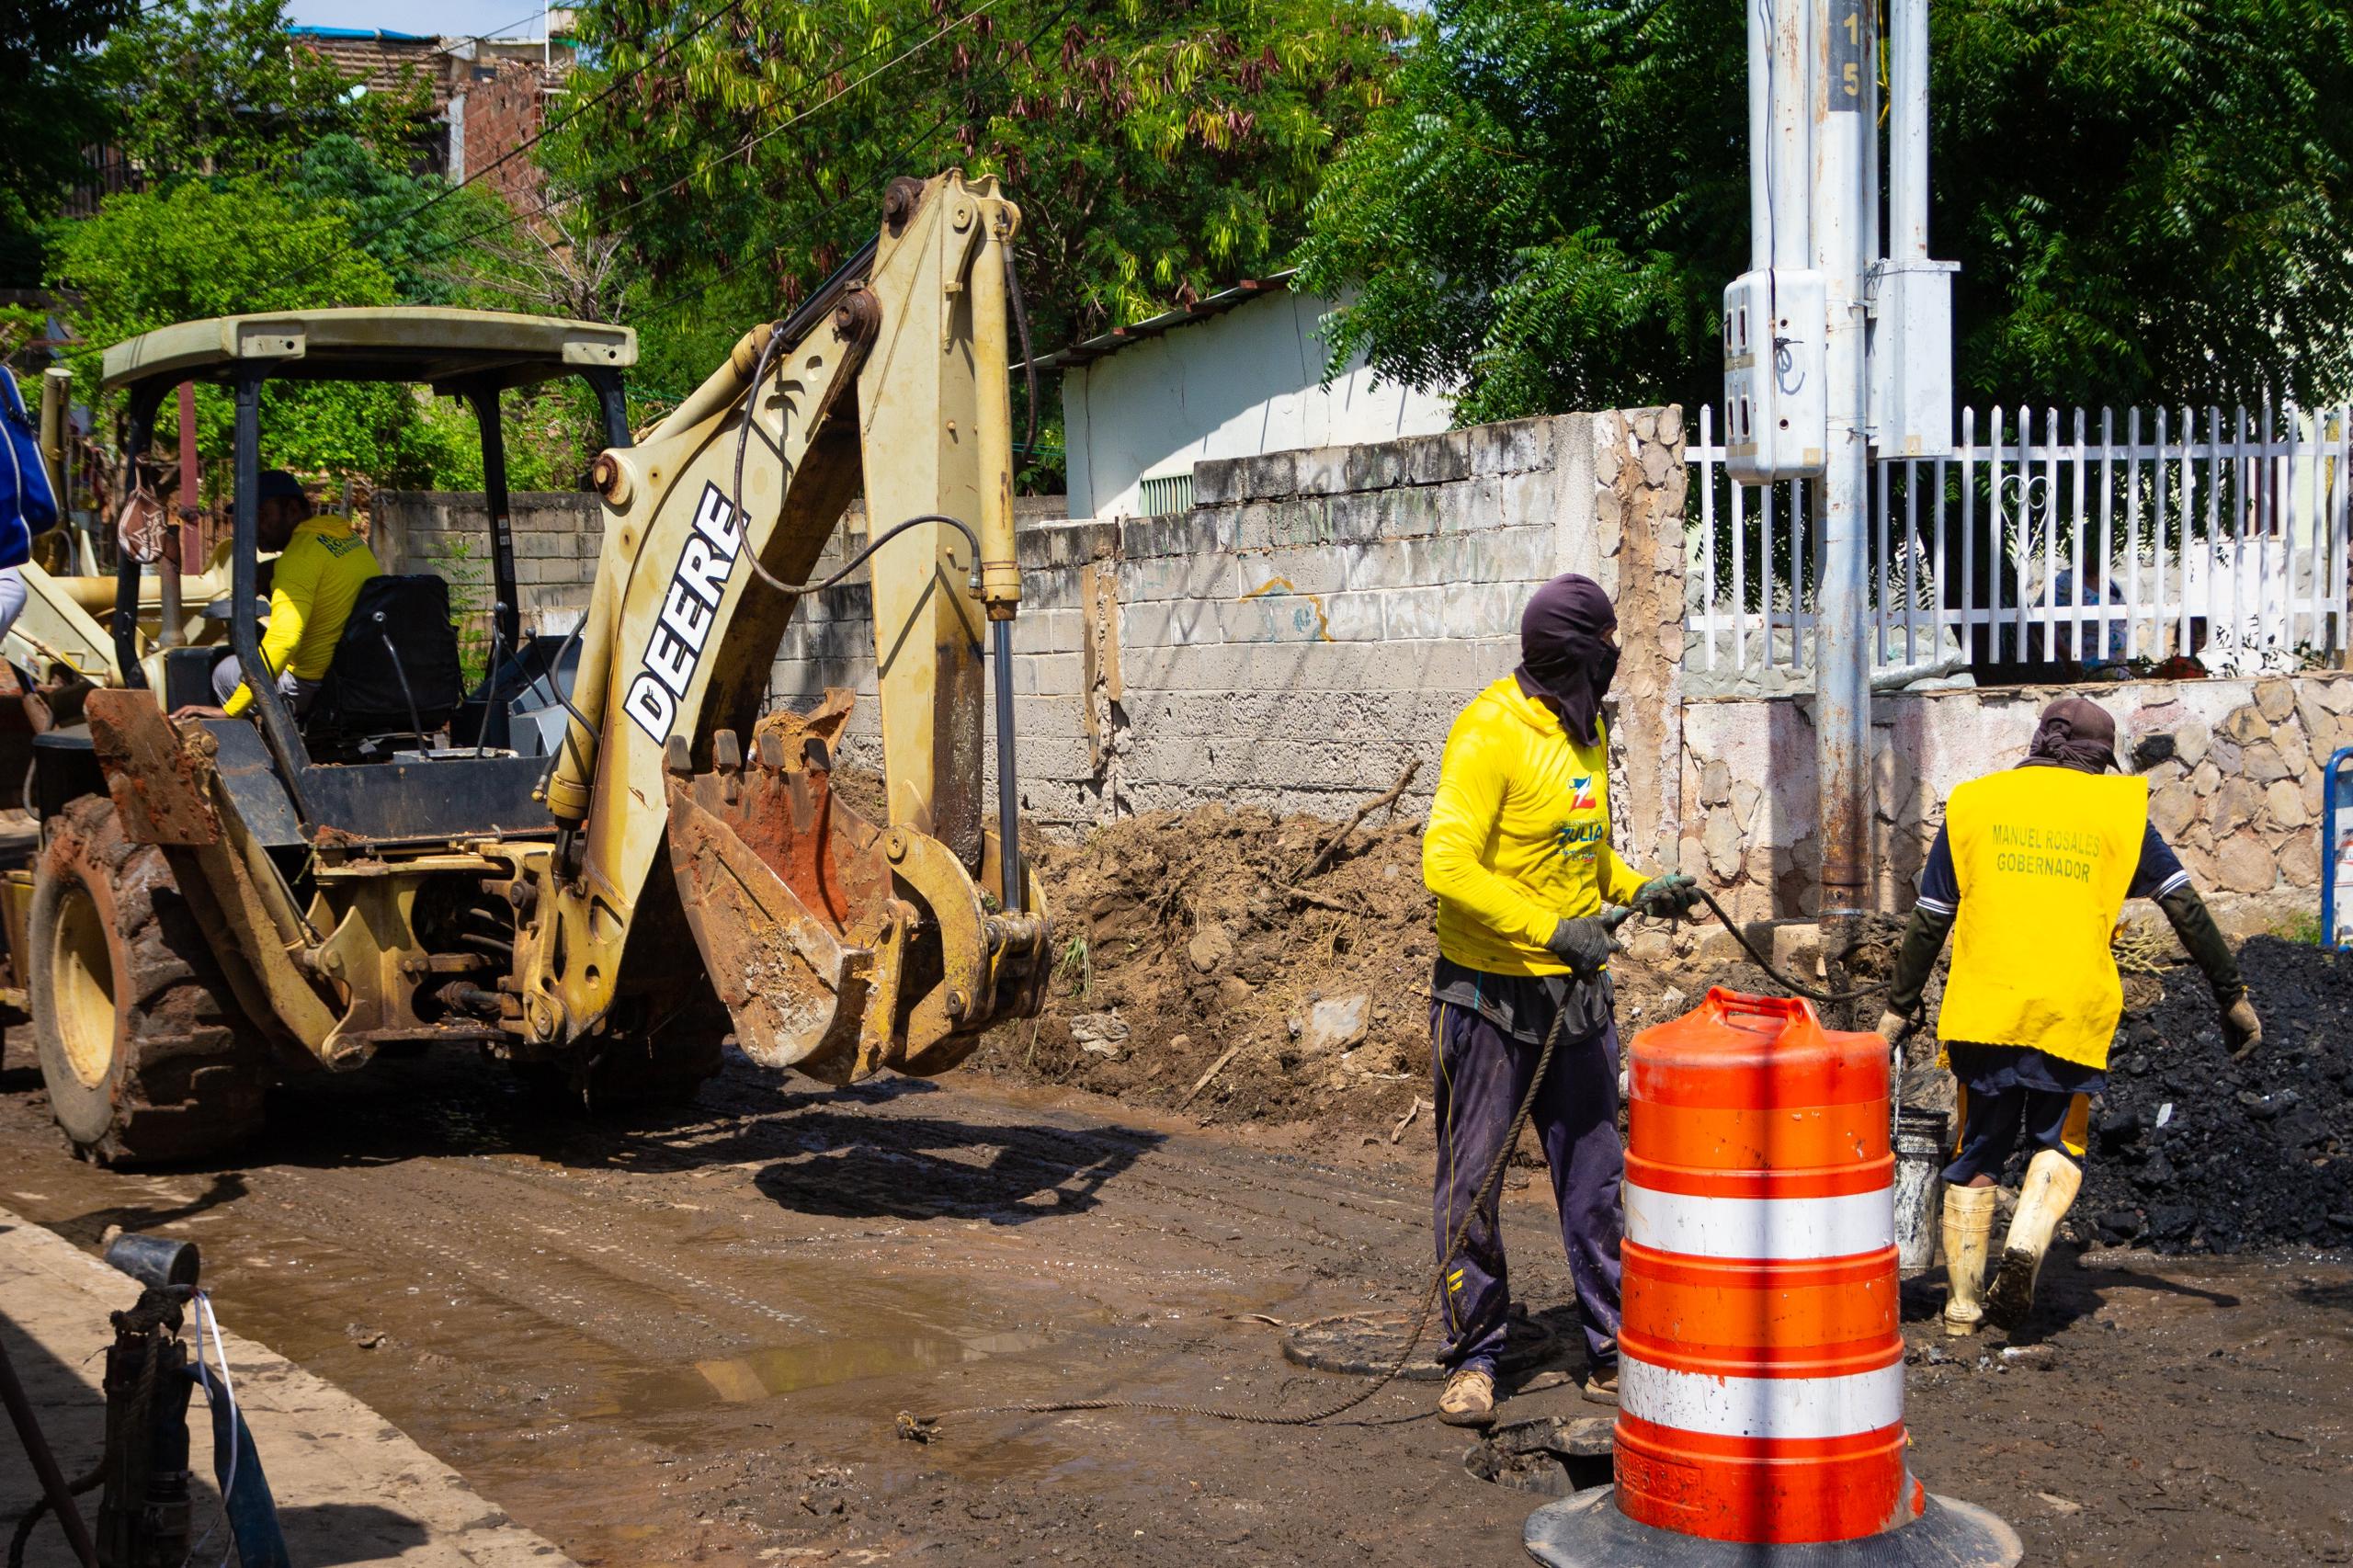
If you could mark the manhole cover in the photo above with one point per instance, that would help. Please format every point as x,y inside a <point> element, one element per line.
<point>1553,1456</point>
<point>1366,1343</point>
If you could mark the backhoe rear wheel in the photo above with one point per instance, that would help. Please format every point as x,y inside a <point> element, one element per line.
<point>145,1053</point>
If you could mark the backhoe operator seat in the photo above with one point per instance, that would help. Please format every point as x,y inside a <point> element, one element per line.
<point>395,670</point>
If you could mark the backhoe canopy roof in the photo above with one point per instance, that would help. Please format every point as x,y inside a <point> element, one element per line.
<point>407,343</point>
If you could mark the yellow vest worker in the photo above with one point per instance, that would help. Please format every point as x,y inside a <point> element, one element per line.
<point>2041,858</point>
<point>1517,852</point>
<point>2028,875</point>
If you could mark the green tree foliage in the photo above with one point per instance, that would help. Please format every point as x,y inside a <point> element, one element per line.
<point>415,227</point>
<point>207,248</point>
<point>54,106</point>
<point>223,88</point>
<point>1158,149</point>
<point>2148,201</point>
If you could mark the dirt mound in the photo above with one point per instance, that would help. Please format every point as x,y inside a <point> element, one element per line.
<point>1185,936</point>
<point>2192,1151</point>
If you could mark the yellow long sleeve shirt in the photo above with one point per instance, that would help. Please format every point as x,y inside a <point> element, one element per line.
<point>1519,834</point>
<point>311,590</point>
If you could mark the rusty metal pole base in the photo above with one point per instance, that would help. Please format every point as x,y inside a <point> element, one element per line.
<point>1842,933</point>
<point>1587,1531</point>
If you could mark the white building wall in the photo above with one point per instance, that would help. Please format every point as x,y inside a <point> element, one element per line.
<point>1235,385</point>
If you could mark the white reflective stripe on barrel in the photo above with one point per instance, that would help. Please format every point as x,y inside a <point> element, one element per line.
<point>1772,1229</point>
<point>1761,1407</point>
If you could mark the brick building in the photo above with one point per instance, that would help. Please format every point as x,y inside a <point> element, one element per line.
<point>489,94</point>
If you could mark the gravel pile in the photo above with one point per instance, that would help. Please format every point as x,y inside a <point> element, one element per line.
<point>2194,1152</point>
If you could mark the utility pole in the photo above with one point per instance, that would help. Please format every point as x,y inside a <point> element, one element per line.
<point>1842,659</point>
<point>1834,355</point>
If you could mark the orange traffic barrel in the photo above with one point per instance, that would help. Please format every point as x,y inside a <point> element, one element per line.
<point>1761,1363</point>
<point>1761,1355</point>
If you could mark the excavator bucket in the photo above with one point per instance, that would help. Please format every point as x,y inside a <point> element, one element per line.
<point>788,895</point>
<point>840,947</point>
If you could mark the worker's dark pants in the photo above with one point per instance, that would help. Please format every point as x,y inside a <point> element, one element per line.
<point>1992,1123</point>
<point>1480,1075</point>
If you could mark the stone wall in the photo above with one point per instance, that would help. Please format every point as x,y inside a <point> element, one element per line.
<point>2233,767</point>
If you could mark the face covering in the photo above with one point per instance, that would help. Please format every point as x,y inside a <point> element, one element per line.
<point>2073,732</point>
<point>1565,651</point>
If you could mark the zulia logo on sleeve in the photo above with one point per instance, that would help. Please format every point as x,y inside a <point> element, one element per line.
<point>689,612</point>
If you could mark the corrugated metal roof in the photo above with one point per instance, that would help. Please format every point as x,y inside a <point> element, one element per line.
<point>1120,337</point>
<point>382,35</point>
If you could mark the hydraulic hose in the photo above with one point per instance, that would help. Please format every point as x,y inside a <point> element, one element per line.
<point>922,1428</point>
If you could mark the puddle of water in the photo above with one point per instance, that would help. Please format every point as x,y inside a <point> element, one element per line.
<point>780,1370</point>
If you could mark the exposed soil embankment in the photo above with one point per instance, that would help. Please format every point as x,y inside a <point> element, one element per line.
<point>1202,970</point>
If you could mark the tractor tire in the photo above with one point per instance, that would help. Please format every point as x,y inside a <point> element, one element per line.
<point>146,1055</point>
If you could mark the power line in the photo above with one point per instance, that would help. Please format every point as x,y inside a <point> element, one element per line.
<point>615,85</point>
<point>697,290</point>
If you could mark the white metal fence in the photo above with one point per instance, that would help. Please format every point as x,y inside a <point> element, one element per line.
<point>2050,540</point>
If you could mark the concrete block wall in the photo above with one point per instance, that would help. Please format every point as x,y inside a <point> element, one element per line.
<point>1315,621</point>
<point>557,535</point>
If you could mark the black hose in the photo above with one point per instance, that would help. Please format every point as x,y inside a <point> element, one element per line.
<point>922,1428</point>
<point>1021,326</point>
<point>1783,981</point>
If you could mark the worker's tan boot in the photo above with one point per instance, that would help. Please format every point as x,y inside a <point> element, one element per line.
<point>1469,1399</point>
<point>1969,1233</point>
<point>2052,1182</point>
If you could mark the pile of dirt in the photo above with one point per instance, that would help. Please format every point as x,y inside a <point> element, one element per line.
<point>1195,940</point>
<point>1184,936</point>
<point>2192,1151</point>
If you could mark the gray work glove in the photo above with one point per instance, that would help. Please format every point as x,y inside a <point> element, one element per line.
<point>1669,897</point>
<point>2242,1030</point>
<point>1894,1028</point>
<point>1582,944</point>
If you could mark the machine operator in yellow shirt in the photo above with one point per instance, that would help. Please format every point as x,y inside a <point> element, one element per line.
<point>322,564</point>
<point>1517,852</point>
<point>2029,873</point>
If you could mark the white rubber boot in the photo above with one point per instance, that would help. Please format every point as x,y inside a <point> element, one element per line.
<point>1969,1234</point>
<point>2052,1182</point>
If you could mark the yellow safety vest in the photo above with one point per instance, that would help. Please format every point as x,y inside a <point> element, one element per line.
<point>2044,857</point>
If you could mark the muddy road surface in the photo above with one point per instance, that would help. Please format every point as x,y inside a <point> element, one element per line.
<point>686,1343</point>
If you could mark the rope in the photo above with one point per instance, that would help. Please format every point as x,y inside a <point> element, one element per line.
<point>922,1428</point>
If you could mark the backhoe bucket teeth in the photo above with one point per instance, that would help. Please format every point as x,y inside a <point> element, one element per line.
<point>839,947</point>
<point>797,992</point>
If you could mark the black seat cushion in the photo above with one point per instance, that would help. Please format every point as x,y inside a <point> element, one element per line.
<point>395,668</point>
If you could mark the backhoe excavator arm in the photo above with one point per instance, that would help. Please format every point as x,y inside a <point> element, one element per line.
<point>839,946</point>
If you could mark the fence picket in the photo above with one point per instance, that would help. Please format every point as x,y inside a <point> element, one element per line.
<point>2277,522</point>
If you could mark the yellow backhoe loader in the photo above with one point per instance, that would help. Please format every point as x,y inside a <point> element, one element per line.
<point>533,865</point>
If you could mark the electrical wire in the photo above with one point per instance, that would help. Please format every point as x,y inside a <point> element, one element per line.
<point>740,149</point>
<point>611,87</point>
<point>205,1319</point>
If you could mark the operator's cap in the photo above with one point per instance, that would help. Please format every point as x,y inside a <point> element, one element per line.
<point>277,484</point>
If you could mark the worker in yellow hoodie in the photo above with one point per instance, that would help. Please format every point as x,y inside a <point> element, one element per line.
<point>1517,852</point>
<point>321,567</point>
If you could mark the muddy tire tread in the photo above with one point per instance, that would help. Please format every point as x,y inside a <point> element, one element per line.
<point>198,1069</point>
